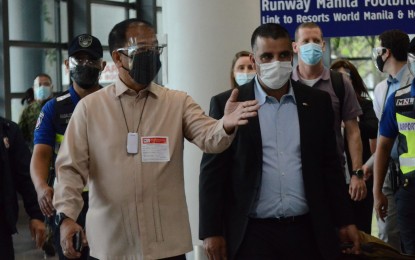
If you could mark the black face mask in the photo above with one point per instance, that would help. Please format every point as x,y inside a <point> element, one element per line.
<point>145,67</point>
<point>85,76</point>
<point>380,62</point>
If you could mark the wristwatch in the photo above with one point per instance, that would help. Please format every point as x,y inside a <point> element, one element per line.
<point>59,218</point>
<point>359,173</point>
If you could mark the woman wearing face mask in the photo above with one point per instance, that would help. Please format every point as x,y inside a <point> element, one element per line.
<point>368,125</point>
<point>242,70</point>
<point>42,89</point>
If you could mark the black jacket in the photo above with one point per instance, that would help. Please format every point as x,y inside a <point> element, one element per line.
<point>15,176</point>
<point>230,181</point>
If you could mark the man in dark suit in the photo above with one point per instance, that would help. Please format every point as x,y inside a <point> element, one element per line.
<point>276,193</point>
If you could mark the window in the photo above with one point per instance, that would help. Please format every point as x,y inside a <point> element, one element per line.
<point>36,36</point>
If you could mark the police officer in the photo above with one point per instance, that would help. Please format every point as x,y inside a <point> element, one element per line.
<point>398,121</point>
<point>85,65</point>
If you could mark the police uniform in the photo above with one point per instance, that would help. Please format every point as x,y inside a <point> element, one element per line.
<point>398,120</point>
<point>50,129</point>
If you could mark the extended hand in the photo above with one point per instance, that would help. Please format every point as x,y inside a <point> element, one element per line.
<point>215,248</point>
<point>38,231</point>
<point>44,197</point>
<point>357,188</point>
<point>380,203</point>
<point>237,113</point>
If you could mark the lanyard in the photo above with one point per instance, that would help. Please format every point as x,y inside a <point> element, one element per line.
<point>141,115</point>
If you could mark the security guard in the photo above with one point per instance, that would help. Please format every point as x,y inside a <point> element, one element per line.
<point>398,120</point>
<point>85,65</point>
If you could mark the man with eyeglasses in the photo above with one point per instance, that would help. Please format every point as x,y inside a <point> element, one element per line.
<point>390,57</point>
<point>127,142</point>
<point>85,65</point>
<point>398,123</point>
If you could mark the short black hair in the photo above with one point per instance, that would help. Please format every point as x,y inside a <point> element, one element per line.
<point>397,41</point>
<point>116,38</point>
<point>269,30</point>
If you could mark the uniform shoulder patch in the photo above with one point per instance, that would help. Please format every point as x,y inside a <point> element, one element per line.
<point>39,120</point>
<point>63,97</point>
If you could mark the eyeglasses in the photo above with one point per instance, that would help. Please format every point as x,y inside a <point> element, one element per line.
<point>378,51</point>
<point>134,50</point>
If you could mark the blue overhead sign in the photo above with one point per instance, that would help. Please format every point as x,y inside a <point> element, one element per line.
<point>339,18</point>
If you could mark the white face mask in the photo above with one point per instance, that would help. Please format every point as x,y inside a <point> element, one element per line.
<point>243,78</point>
<point>275,74</point>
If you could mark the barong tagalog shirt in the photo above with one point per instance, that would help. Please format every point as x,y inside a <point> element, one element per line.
<point>137,204</point>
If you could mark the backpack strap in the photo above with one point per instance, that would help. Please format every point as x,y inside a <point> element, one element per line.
<point>338,87</point>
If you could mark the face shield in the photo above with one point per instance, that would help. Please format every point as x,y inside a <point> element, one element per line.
<point>143,59</point>
<point>85,71</point>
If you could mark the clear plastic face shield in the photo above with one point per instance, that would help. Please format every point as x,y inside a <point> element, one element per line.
<point>144,57</point>
<point>84,70</point>
<point>75,61</point>
<point>411,63</point>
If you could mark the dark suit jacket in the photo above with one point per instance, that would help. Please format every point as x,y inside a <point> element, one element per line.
<point>230,181</point>
<point>15,176</point>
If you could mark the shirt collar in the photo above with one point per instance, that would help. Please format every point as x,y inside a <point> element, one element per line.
<point>324,76</point>
<point>261,95</point>
<point>398,77</point>
<point>121,88</point>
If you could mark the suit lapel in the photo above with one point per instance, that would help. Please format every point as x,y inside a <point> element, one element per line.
<point>304,114</point>
<point>253,129</point>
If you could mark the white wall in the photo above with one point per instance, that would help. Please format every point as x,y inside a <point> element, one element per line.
<point>203,36</point>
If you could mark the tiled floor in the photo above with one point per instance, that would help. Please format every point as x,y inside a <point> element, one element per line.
<point>24,247</point>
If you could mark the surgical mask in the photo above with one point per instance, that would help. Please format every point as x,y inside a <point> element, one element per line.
<point>85,76</point>
<point>311,53</point>
<point>144,67</point>
<point>243,78</point>
<point>411,63</point>
<point>42,92</point>
<point>275,74</point>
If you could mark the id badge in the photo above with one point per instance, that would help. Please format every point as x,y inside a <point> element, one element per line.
<point>132,143</point>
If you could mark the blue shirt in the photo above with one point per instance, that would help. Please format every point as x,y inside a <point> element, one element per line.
<point>388,126</point>
<point>46,129</point>
<point>282,189</point>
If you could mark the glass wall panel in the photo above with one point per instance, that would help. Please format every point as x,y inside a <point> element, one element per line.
<point>110,73</point>
<point>26,63</point>
<point>17,109</point>
<point>64,21</point>
<point>33,20</point>
<point>132,14</point>
<point>103,19</point>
